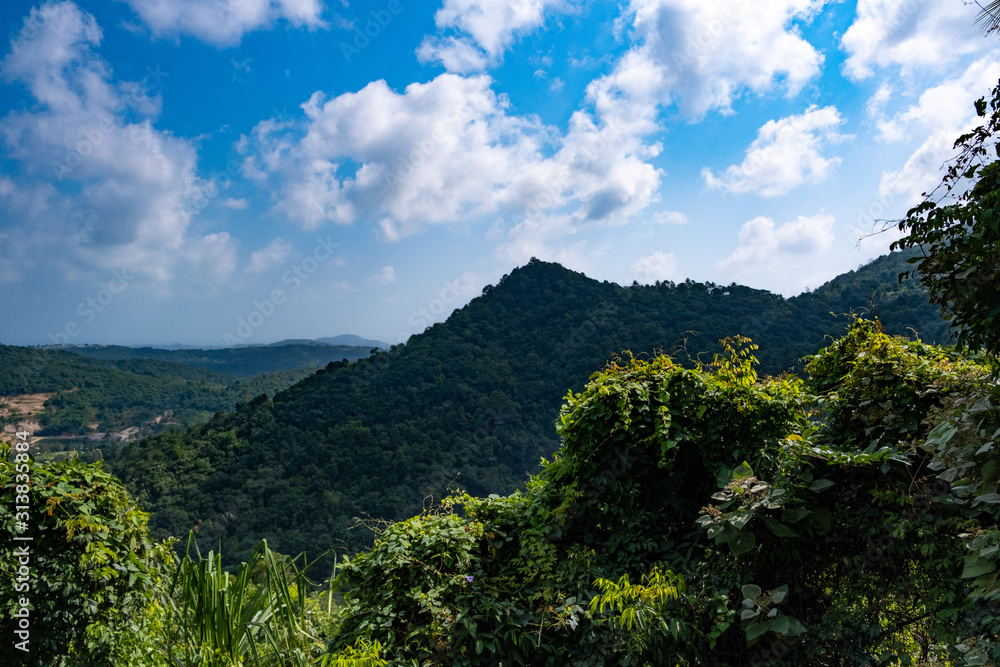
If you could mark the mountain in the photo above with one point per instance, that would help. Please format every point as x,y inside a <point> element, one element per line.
<point>84,398</point>
<point>470,402</point>
<point>235,361</point>
<point>357,341</point>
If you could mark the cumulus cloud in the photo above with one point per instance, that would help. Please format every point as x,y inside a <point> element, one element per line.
<point>224,22</point>
<point>445,151</point>
<point>655,266</point>
<point>210,259</point>
<point>486,28</point>
<point>941,114</point>
<point>785,155</point>
<point>273,254</point>
<point>910,34</point>
<point>132,189</point>
<point>701,56</point>
<point>450,150</point>
<point>455,54</point>
<point>384,277</point>
<point>762,244</point>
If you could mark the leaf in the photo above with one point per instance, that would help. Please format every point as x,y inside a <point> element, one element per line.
<point>820,484</point>
<point>742,544</point>
<point>795,627</point>
<point>781,530</point>
<point>991,498</point>
<point>779,625</point>
<point>779,594</point>
<point>751,591</point>
<point>976,566</point>
<point>743,471</point>
<point>795,514</point>
<point>755,630</point>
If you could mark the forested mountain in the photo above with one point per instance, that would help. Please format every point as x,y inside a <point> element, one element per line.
<point>471,402</point>
<point>237,361</point>
<point>102,390</point>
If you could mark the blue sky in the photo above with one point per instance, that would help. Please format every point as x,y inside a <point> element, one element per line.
<point>213,172</point>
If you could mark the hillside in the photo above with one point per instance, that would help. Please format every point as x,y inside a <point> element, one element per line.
<point>80,399</point>
<point>471,402</point>
<point>236,361</point>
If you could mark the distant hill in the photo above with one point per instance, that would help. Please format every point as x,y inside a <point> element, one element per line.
<point>350,339</point>
<point>470,402</point>
<point>103,394</point>
<point>236,361</point>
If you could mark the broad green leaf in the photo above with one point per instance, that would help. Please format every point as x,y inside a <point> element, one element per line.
<point>976,566</point>
<point>820,484</point>
<point>743,471</point>
<point>779,625</point>
<point>795,627</point>
<point>795,514</point>
<point>742,544</point>
<point>755,630</point>
<point>781,530</point>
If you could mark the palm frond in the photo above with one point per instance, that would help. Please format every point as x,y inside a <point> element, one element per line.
<point>989,16</point>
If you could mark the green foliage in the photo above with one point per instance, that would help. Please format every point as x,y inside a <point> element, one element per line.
<point>641,612</point>
<point>817,522</point>
<point>120,389</point>
<point>470,402</point>
<point>957,229</point>
<point>92,571</point>
<point>877,389</point>
<point>217,619</point>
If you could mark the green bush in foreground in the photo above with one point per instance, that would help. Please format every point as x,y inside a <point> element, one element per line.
<point>709,517</point>
<point>91,572</point>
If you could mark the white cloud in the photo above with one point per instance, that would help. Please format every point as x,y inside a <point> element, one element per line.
<point>670,218</point>
<point>224,22</point>
<point>456,55</point>
<point>274,254</point>
<point>910,35</point>
<point>877,103</point>
<point>211,259</point>
<point>487,29</point>
<point>132,189</point>
<point>384,277</point>
<point>785,155</point>
<point>942,113</point>
<point>702,55</point>
<point>764,245</point>
<point>236,204</point>
<point>445,151</point>
<point>656,266</point>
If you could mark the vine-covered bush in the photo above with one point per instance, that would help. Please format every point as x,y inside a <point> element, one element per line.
<point>708,516</point>
<point>90,574</point>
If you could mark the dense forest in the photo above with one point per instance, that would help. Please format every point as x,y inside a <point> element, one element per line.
<point>470,403</point>
<point>109,389</point>
<point>237,361</point>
